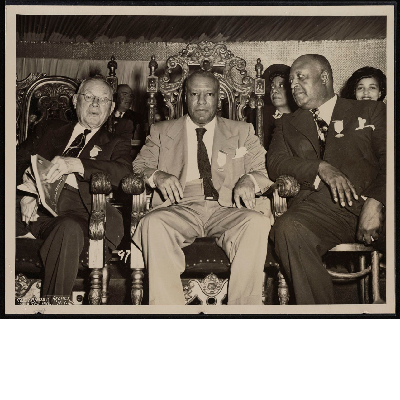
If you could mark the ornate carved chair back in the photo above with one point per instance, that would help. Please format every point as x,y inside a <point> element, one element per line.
<point>238,90</point>
<point>41,97</point>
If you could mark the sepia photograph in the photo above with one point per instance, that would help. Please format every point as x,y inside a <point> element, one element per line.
<point>221,160</point>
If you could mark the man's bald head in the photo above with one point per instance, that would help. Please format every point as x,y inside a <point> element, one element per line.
<point>311,81</point>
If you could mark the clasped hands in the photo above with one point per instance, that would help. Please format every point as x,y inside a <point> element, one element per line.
<point>371,217</point>
<point>171,189</point>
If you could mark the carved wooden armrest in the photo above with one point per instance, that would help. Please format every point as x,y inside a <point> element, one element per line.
<point>285,186</point>
<point>134,185</point>
<point>100,187</point>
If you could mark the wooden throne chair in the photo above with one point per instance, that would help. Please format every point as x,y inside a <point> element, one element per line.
<point>207,270</point>
<point>44,101</point>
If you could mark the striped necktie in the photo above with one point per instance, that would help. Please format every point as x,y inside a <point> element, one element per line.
<point>77,145</point>
<point>322,131</point>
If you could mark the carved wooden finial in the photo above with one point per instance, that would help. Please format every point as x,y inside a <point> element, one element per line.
<point>112,66</point>
<point>259,68</point>
<point>153,65</point>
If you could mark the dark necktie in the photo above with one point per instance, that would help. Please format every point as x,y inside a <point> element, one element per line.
<point>77,145</point>
<point>323,129</point>
<point>204,165</point>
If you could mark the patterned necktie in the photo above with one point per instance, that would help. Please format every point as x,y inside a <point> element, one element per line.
<point>322,131</point>
<point>204,165</point>
<point>77,145</point>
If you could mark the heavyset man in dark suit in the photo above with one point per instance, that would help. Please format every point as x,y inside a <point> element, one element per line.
<point>198,181</point>
<point>78,150</point>
<point>336,149</point>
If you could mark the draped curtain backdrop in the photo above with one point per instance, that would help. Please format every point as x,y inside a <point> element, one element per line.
<point>78,46</point>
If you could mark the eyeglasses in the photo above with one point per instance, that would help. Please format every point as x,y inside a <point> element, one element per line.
<point>90,98</point>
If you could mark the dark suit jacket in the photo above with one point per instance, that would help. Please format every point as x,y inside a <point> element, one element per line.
<point>114,159</point>
<point>129,115</point>
<point>359,150</point>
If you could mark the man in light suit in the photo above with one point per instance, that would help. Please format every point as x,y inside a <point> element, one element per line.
<point>336,149</point>
<point>77,150</point>
<point>204,169</point>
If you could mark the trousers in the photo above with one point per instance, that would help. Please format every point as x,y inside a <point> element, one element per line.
<point>64,238</point>
<point>301,236</point>
<point>241,233</point>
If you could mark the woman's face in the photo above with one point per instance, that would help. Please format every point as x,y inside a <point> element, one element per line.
<point>278,92</point>
<point>368,89</point>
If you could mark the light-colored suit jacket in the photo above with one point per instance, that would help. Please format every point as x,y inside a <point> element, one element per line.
<point>166,149</point>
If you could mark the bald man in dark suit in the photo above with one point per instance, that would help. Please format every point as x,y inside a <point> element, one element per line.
<point>336,149</point>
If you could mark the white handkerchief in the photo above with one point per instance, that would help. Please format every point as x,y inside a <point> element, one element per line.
<point>240,152</point>
<point>95,151</point>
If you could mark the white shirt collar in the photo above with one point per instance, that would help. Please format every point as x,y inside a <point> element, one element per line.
<point>326,109</point>
<point>210,127</point>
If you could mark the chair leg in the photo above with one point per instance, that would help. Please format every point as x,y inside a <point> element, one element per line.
<point>95,286</point>
<point>106,279</point>
<point>283,290</point>
<point>137,286</point>
<point>376,298</point>
<point>137,267</point>
<point>363,289</point>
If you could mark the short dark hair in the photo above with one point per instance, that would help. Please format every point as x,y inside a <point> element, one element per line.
<point>349,89</point>
<point>203,74</point>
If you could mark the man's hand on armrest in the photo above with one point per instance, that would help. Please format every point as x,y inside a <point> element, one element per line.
<point>370,221</point>
<point>341,187</point>
<point>169,186</point>
<point>245,190</point>
<point>62,166</point>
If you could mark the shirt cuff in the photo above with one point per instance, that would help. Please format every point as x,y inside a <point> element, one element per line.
<point>150,180</point>
<point>257,188</point>
<point>316,182</point>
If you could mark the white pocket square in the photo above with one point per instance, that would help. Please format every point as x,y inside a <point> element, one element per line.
<point>240,152</point>
<point>361,124</point>
<point>95,151</point>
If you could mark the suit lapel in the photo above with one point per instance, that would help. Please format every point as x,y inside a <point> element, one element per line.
<point>174,145</point>
<point>304,122</point>
<point>227,143</point>
<point>59,140</point>
<point>341,109</point>
<point>100,138</point>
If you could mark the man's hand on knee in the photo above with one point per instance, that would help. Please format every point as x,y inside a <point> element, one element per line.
<point>169,186</point>
<point>370,221</point>
<point>341,187</point>
<point>245,190</point>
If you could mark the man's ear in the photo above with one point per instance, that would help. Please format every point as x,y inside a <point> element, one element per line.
<point>112,107</point>
<point>74,100</point>
<point>324,77</point>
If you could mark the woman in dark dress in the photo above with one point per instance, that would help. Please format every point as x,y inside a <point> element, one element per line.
<point>278,100</point>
